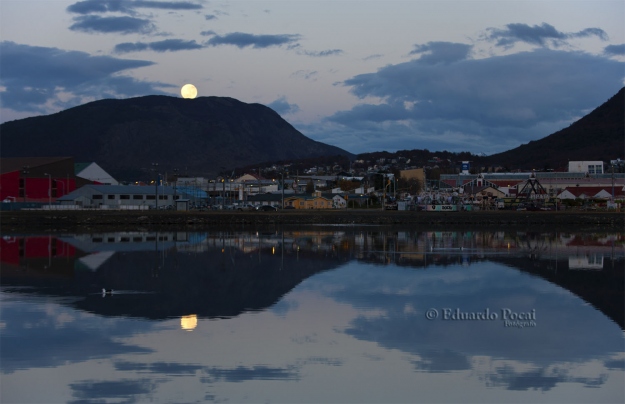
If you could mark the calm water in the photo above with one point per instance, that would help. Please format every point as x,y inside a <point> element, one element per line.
<point>320,315</point>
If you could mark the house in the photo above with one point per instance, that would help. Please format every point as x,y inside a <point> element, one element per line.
<point>273,199</point>
<point>585,193</point>
<point>119,197</point>
<point>308,201</point>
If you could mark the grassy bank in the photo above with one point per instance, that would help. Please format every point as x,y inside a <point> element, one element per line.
<point>93,221</point>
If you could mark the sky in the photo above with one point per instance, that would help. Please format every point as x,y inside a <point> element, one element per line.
<point>455,75</point>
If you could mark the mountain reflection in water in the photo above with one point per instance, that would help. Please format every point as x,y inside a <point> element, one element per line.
<point>308,306</point>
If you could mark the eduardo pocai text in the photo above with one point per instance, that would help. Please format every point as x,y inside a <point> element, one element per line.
<point>510,318</point>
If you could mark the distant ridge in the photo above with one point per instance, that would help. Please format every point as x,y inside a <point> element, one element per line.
<point>598,136</point>
<point>201,136</point>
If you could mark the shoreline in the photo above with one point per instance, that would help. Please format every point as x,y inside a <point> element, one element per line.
<point>101,221</point>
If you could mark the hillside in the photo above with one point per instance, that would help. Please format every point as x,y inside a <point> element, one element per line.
<point>600,135</point>
<point>198,136</point>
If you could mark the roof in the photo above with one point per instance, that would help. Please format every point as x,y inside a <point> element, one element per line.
<point>307,197</point>
<point>78,167</point>
<point>589,191</point>
<point>11,164</point>
<point>268,197</point>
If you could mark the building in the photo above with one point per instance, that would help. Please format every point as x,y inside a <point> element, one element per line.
<point>587,167</point>
<point>416,174</point>
<point>308,201</point>
<point>36,179</point>
<point>94,174</point>
<point>587,193</point>
<point>119,197</point>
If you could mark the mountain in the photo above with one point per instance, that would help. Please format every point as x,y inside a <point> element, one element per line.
<point>200,136</point>
<point>598,136</point>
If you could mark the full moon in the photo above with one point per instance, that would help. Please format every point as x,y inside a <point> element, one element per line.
<point>188,91</point>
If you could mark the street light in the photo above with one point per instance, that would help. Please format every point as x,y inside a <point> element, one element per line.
<point>155,169</point>
<point>62,183</point>
<point>49,190</point>
<point>25,172</point>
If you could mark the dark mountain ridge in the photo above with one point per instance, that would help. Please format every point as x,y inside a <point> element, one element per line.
<point>598,136</point>
<point>208,135</point>
<point>198,136</point>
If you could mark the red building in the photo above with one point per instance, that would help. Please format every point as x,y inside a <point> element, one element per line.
<point>36,179</point>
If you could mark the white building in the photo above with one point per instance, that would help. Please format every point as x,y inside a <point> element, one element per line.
<point>94,173</point>
<point>119,197</point>
<point>588,167</point>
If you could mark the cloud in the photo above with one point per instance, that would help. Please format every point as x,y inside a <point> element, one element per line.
<point>442,52</point>
<point>540,35</point>
<point>208,33</point>
<point>282,107</point>
<point>614,50</point>
<point>121,25</point>
<point>209,17</point>
<point>167,45</point>
<point>258,372</point>
<point>96,390</point>
<point>329,52</point>
<point>103,6</point>
<point>490,105</point>
<point>243,40</point>
<point>127,47</point>
<point>35,76</point>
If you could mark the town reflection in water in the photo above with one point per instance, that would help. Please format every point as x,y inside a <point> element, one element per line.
<point>341,314</point>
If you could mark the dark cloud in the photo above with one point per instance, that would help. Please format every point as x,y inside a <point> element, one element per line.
<point>208,33</point>
<point>243,40</point>
<point>541,35</point>
<point>167,45</point>
<point>490,104</point>
<point>166,368</point>
<point>442,52</point>
<point>127,47</point>
<point>209,17</point>
<point>244,373</point>
<point>614,50</point>
<point>329,52</point>
<point>125,6</point>
<point>94,391</point>
<point>34,76</point>
<point>282,107</point>
<point>121,25</point>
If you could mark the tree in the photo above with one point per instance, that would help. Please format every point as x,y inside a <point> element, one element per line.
<point>310,187</point>
<point>346,185</point>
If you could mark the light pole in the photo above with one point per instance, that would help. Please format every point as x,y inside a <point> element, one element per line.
<point>24,172</point>
<point>175,182</point>
<point>49,190</point>
<point>155,169</point>
<point>62,183</point>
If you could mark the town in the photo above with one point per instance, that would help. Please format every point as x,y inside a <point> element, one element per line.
<point>390,184</point>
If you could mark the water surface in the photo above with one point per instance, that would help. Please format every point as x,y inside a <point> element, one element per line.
<point>318,315</point>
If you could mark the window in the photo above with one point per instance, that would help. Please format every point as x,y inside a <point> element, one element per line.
<point>150,197</point>
<point>162,197</point>
<point>140,197</point>
<point>591,169</point>
<point>124,197</point>
<point>96,197</point>
<point>110,197</point>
